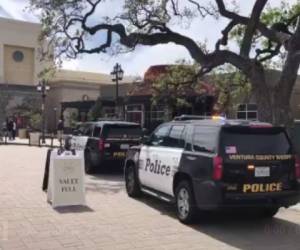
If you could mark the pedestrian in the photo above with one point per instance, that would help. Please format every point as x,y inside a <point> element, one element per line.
<point>9,128</point>
<point>60,130</point>
<point>14,129</point>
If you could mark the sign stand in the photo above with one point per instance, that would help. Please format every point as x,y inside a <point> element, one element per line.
<point>66,178</point>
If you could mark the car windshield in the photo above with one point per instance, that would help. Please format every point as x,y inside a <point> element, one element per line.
<point>123,132</point>
<point>259,141</point>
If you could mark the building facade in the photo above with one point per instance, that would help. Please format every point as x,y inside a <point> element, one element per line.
<point>20,66</point>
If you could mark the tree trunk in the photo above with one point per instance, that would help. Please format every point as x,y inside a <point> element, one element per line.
<point>262,93</point>
<point>284,89</point>
<point>282,113</point>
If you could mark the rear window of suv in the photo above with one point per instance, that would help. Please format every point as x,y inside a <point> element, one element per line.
<point>259,141</point>
<point>116,131</point>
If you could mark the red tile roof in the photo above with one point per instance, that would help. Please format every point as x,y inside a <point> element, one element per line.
<point>145,88</point>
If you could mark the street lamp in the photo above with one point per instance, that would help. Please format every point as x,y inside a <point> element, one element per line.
<point>117,75</point>
<point>55,123</point>
<point>42,87</point>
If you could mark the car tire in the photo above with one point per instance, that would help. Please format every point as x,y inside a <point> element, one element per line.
<point>131,182</point>
<point>185,203</point>
<point>269,212</point>
<point>88,164</point>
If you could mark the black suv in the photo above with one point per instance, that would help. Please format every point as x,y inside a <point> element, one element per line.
<point>209,164</point>
<point>105,142</point>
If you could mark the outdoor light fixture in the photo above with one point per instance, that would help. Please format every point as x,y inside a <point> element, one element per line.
<point>117,75</point>
<point>42,87</point>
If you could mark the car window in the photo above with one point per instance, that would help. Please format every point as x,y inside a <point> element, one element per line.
<point>159,136</point>
<point>97,132</point>
<point>249,141</point>
<point>175,138</point>
<point>122,131</point>
<point>205,139</point>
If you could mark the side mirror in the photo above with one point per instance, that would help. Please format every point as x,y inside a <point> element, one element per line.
<point>145,131</point>
<point>75,132</point>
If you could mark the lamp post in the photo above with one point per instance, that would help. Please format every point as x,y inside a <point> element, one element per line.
<point>55,122</point>
<point>117,75</point>
<point>42,87</point>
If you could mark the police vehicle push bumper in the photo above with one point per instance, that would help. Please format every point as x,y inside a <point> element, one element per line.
<point>213,195</point>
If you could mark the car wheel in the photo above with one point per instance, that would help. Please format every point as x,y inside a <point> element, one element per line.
<point>88,165</point>
<point>131,182</point>
<point>269,212</point>
<point>185,203</point>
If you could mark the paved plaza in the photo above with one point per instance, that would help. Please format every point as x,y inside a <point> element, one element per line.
<point>113,221</point>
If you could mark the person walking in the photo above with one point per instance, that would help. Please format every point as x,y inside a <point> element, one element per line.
<point>14,129</point>
<point>9,129</point>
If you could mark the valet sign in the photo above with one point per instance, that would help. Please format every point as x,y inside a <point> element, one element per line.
<point>66,179</point>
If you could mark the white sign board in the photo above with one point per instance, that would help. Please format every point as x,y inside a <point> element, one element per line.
<point>66,179</point>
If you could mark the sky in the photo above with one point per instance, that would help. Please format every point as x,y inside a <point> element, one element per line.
<point>137,62</point>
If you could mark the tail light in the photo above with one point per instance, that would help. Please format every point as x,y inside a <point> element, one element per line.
<point>218,168</point>
<point>297,167</point>
<point>101,145</point>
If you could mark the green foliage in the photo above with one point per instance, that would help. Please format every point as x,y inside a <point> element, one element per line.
<point>270,16</point>
<point>4,100</point>
<point>35,120</point>
<point>47,73</point>
<point>96,111</point>
<point>73,119</point>
<point>171,87</point>
<point>30,110</point>
<point>283,13</point>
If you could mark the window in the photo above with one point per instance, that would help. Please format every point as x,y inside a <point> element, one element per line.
<point>135,113</point>
<point>158,113</point>
<point>175,138</point>
<point>247,112</point>
<point>97,132</point>
<point>120,131</point>
<point>205,139</point>
<point>18,56</point>
<point>249,141</point>
<point>134,107</point>
<point>158,138</point>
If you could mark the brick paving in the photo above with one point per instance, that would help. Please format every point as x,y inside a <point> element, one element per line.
<point>114,221</point>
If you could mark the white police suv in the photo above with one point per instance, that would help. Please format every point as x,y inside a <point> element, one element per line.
<point>209,164</point>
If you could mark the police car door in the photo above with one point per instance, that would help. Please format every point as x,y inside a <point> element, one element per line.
<point>159,160</point>
<point>79,141</point>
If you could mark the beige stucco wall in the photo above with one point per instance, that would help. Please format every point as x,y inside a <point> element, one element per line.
<point>74,92</point>
<point>18,72</point>
<point>23,36</point>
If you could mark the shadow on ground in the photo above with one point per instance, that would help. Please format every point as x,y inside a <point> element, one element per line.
<point>73,209</point>
<point>239,229</point>
<point>105,182</point>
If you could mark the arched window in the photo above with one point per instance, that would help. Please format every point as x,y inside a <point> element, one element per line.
<point>247,111</point>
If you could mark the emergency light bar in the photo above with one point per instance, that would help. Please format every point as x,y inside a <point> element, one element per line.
<point>198,117</point>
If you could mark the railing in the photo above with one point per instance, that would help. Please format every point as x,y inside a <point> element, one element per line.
<point>51,140</point>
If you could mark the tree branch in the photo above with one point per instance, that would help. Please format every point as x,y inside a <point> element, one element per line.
<point>272,53</point>
<point>224,40</point>
<point>265,31</point>
<point>251,27</point>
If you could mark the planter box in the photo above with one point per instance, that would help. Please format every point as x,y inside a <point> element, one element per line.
<point>22,132</point>
<point>34,138</point>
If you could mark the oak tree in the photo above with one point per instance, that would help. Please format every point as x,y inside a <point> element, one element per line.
<point>69,25</point>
